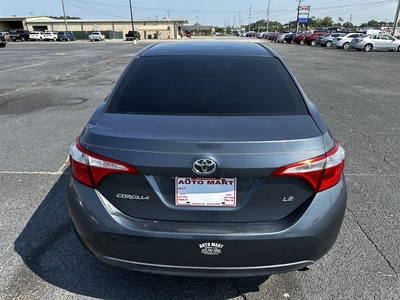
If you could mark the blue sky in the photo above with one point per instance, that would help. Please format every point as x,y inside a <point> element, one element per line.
<point>207,12</point>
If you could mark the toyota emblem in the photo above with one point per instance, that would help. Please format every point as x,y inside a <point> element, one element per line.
<point>204,166</point>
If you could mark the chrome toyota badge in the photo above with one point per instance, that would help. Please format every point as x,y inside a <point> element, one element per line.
<point>204,166</point>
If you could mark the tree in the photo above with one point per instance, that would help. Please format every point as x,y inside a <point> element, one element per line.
<point>348,25</point>
<point>220,30</point>
<point>373,23</point>
<point>327,22</point>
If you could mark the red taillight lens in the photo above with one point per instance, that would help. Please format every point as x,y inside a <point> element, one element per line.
<point>321,172</point>
<point>90,168</point>
<point>339,39</point>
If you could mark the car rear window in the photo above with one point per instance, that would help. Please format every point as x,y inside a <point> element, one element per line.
<point>192,85</point>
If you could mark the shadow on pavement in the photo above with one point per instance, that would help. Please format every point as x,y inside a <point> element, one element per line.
<point>50,249</point>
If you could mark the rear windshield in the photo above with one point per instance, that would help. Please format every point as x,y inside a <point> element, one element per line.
<point>208,86</point>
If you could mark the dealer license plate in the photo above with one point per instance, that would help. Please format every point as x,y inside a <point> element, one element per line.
<point>192,191</point>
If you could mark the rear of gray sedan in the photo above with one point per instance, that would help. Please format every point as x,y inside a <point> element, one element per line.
<point>183,172</point>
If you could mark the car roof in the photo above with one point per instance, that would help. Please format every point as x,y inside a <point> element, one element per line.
<point>209,48</point>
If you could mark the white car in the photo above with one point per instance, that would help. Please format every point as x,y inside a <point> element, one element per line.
<point>343,42</point>
<point>36,36</point>
<point>50,36</point>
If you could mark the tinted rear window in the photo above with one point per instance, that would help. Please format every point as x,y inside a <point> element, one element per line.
<point>207,85</point>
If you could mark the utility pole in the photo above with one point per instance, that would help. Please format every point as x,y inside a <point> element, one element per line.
<point>197,25</point>
<point>297,19</point>
<point>249,16</point>
<point>396,18</point>
<point>269,2</point>
<point>65,18</point>
<point>133,27</point>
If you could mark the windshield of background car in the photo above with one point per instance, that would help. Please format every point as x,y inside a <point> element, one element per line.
<point>207,85</point>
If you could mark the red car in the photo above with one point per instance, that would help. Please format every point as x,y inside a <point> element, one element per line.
<point>312,38</point>
<point>273,36</point>
<point>299,38</point>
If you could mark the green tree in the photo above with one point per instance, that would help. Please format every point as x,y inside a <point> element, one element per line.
<point>373,23</point>
<point>348,25</point>
<point>220,30</point>
<point>327,22</point>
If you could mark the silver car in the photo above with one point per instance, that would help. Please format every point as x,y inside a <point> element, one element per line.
<point>375,42</point>
<point>281,37</point>
<point>343,42</point>
<point>326,39</point>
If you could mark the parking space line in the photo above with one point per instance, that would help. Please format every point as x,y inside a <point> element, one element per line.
<point>23,67</point>
<point>58,172</point>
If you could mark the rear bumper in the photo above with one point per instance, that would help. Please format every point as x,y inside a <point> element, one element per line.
<point>205,249</point>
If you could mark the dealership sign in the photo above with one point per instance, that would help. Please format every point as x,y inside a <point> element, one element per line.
<point>304,12</point>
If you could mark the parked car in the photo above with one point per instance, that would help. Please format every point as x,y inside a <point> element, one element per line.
<point>19,35</point>
<point>210,179</point>
<point>50,36</point>
<point>97,36</point>
<point>299,38</point>
<point>65,36</point>
<point>5,34</point>
<point>343,42</point>
<point>311,39</point>
<point>281,37</point>
<point>3,41</point>
<point>273,35</point>
<point>326,39</point>
<point>267,35</point>
<point>36,36</point>
<point>289,38</point>
<point>260,35</point>
<point>375,42</point>
<point>132,35</point>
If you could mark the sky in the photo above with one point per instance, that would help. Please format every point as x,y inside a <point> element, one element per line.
<point>207,12</point>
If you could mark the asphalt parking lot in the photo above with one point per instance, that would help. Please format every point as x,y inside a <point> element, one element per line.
<point>48,90</point>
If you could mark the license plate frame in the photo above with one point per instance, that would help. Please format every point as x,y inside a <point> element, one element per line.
<point>205,192</point>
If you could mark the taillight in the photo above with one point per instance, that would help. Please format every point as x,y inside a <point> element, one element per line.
<point>320,172</point>
<point>90,168</point>
<point>339,39</point>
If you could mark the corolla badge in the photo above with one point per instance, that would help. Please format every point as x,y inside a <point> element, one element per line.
<point>132,197</point>
<point>204,166</point>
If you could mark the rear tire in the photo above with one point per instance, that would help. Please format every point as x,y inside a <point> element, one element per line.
<point>312,43</point>
<point>301,42</point>
<point>346,45</point>
<point>22,39</point>
<point>398,49</point>
<point>368,47</point>
<point>328,44</point>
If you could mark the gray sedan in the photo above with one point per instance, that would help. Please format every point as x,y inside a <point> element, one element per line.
<point>375,42</point>
<point>196,176</point>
